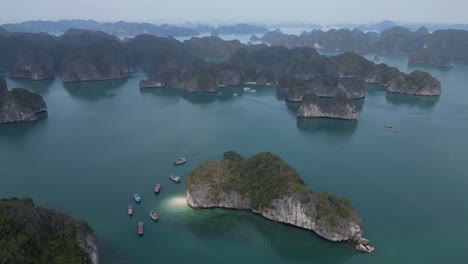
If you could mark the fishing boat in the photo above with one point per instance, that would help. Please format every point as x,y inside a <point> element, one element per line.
<point>235,94</point>
<point>137,198</point>
<point>180,161</point>
<point>174,177</point>
<point>154,215</point>
<point>130,210</point>
<point>388,126</point>
<point>247,88</point>
<point>140,228</point>
<point>157,188</point>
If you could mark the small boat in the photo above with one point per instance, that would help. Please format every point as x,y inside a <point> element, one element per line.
<point>140,228</point>
<point>180,160</point>
<point>235,94</point>
<point>253,91</point>
<point>157,188</point>
<point>376,57</point>
<point>174,177</point>
<point>130,210</point>
<point>396,132</point>
<point>365,248</point>
<point>154,215</point>
<point>137,198</point>
<point>247,88</point>
<point>388,126</point>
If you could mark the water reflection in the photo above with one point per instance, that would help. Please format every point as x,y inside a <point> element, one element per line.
<point>424,102</point>
<point>331,126</point>
<point>375,90</point>
<point>95,90</point>
<point>302,245</point>
<point>17,131</point>
<point>41,87</point>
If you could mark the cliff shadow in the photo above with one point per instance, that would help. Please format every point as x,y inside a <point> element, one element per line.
<point>373,90</point>
<point>94,90</point>
<point>336,127</point>
<point>288,242</point>
<point>292,107</point>
<point>41,87</point>
<point>423,102</point>
<point>17,131</point>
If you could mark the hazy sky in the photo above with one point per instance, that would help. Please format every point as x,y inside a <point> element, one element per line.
<point>227,11</point>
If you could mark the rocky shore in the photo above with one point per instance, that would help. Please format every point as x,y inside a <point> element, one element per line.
<point>20,105</point>
<point>340,106</point>
<point>266,185</point>
<point>416,83</point>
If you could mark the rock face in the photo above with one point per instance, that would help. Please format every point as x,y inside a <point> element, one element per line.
<point>33,64</point>
<point>212,47</point>
<point>266,185</point>
<point>43,235</point>
<point>430,57</point>
<point>415,83</point>
<point>20,105</point>
<point>380,74</point>
<point>3,85</point>
<point>340,107</point>
<point>86,69</point>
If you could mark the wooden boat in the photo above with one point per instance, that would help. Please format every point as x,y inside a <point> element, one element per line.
<point>130,210</point>
<point>174,177</point>
<point>157,188</point>
<point>154,215</point>
<point>180,161</point>
<point>388,126</point>
<point>140,228</point>
<point>137,198</point>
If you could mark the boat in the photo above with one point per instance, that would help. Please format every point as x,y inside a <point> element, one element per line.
<point>130,210</point>
<point>388,126</point>
<point>247,88</point>
<point>180,160</point>
<point>154,215</point>
<point>140,228</point>
<point>174,177</point>
<point>137,198</point>
<point>376,57</point>
<point>235,94</point>
<point>253,91</point>
<point>157,188</point>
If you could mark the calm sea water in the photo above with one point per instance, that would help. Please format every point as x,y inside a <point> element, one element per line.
<point>103,141</point>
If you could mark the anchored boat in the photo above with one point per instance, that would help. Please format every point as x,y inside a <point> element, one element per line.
<point>247,88</point>
<point>157,188</point>
<point>140,228</point>
<point>154,215</point>
<point>180,161</point>
<point>174,177</point>
<point>130,210</point>
<point>137,198</point>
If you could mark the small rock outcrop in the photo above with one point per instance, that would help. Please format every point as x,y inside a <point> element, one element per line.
<point>3,85</point>
<point>266,185</point>
<point>20,105</point>
<point>43,235</point>
<point>416,83</point>
<point>340,107</point>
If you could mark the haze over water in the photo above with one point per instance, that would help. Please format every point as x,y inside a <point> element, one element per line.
<point>103,141</point>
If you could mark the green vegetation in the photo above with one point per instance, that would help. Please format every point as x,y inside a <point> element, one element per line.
<point>30,234</point>
<point>422,79</point>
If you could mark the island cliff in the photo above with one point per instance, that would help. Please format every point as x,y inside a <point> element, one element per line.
<point>340,107</point>
<point>31,234</point>
<point>266,185</point>
<point>415,83</point>
<point>20,105</point>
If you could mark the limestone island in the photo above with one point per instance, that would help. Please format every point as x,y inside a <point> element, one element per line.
<point>416,83</point>
<point>31,234</point>
<point>340,106</point>
<point>20,105</point>
<point>3,85</point>
<point>266,185</point>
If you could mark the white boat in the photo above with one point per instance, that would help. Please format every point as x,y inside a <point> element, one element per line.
<point>174,177</point>
<point>253,91</point>
<point>247,88</point>
<point>180,160</point>
<point>235,94</point>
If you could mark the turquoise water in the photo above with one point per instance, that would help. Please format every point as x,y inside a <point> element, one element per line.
<point>103,141</point>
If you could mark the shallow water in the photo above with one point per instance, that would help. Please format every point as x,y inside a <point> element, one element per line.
<point>102,141</point>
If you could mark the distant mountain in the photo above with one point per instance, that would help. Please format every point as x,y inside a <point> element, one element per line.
<point>120,28</point>
<point>239,29</point>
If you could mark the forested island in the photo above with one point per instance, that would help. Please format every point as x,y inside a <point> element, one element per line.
<point>439,48</point>
<point>84,55</point>
<point>267,185</point>
<point>31,234</point>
